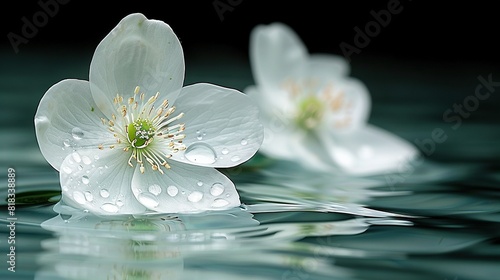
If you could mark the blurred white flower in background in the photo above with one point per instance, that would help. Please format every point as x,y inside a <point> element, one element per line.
<point>314,114</point>
<point>132,140</point>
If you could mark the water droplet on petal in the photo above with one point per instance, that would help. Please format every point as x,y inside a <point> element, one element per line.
<point>77,133</point>
<point>235,158</point>
<point>104,193</point>
<point>216,189</point>
<point>86,160</point>
<point>195,196</point>
<point>200,183</point>
<point>155,189</point>
<point>67,170</point>
<point>200,153</point>
<point>172,190</point>
<point>225,151</point>
<point>119,203</point>
<point>89,196</point>
<point>96,157</point>
<point>108,207</point>
<point>81,168</point>
<point>148,200</point>
<point>76,157</point>
<point>66,143</point>
<point>244,142</point>
<point>79,197</point>
<point>199,137</point>
<point>85,180</point>
<point>219,202</point>
<point>65,217</point>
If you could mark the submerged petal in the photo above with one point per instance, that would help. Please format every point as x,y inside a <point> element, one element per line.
<point>185,188</point>
<point>99,181</point>
<point>222,126</point>
<point>137,52</point>
<point>369,150</point>
<point>67,119</point>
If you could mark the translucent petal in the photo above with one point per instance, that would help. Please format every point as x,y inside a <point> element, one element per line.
<point>222,126</point>
<point>185,188</point>
<point>369,150</point>
<point>137,52</point>
<point>67,119</point>
<point>275,52</point>
<point>99,181</point>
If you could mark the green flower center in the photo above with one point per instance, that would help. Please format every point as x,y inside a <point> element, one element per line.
<point>310,112</point>
<point>140,133</point>
<point>140,122</point>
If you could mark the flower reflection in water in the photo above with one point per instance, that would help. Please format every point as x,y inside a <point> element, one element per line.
<point>91,247</point>
<point>188,246</point>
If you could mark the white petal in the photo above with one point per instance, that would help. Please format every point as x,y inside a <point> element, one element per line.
<point>185,188</point>
<point>66,119</point>
<point>137,52</point>
<point>99,181</point>
<point>369,150</point>
<point>279,133</point>
<point>316,70</point>
<point>347,104</point>
<point>275,52</point>
<point>222,126</point>
<point>281,112</point>
<point>327,66</point>
<point>299,147</point>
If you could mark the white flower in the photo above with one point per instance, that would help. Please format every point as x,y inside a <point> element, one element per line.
<point>133,140</point>
<point>313,113</point>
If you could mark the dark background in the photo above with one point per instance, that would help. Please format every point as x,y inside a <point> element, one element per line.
<point>424,30</point>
